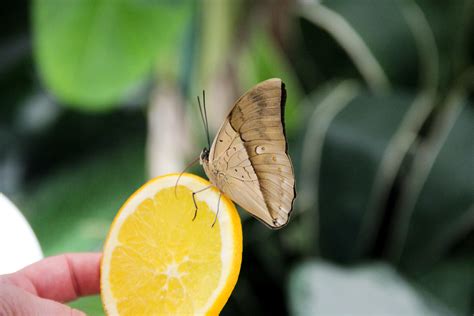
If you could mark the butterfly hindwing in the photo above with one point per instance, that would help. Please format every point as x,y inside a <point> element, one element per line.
<point>231,170</point>
<point>248,159</point>
<point>260,123</point>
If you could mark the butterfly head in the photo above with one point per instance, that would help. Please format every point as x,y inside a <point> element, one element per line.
<point>204,158</point>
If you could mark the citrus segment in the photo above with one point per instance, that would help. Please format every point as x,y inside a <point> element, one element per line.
<point>157,260</point>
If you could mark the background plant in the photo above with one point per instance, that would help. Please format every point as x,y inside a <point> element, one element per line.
<point>99,95</point>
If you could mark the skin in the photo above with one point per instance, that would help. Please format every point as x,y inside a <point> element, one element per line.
<point>41,288</point>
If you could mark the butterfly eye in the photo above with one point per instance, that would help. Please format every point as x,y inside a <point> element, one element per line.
<point>205,154</point>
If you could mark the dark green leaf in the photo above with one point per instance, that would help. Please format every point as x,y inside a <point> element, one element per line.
<point>353,149</point>
<point>451,24</point>
<point>373,44</point>
<point>456,277</point>
<point>436,209</point>
<point>354,146</point>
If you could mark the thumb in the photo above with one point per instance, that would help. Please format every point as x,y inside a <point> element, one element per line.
<point>15,301</point>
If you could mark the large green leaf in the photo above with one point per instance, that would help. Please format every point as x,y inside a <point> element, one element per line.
<point>372,44</point>
<point>352,152</point>
<point>91,53</point>
<point>319,108</point>
<point>436,209</point>
<point>354,145</point>
<point>319,288</point>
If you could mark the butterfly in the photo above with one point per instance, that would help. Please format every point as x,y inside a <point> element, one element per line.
<point>248,160</point>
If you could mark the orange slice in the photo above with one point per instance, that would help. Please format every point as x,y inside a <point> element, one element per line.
<point>157,260</point>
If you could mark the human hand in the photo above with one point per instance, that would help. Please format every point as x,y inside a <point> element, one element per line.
<point>40,288</point>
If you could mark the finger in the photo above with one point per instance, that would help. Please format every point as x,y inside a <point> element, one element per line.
<point>61,278</point>
<point>15,301</point>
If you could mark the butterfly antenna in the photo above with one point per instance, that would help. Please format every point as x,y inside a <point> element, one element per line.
<point>205,116</point>
<point>201,111</point>
<point>179,177</point>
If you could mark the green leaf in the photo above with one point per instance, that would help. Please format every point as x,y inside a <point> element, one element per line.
<point>436,208</point>
<point>373,44</point>
<point>451,25</point>
<point>72,209</point>
<point>320,108</point>
<point>91,305</point>
<point>353,149</point>
<point>457,277</point>
<point>319,288</point>
<point>91,53</point>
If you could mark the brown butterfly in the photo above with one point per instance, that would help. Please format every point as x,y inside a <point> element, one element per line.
<point>248,160</point>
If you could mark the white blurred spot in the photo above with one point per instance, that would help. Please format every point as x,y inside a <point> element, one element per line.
<point>37,113</point>
<point>18,244</point>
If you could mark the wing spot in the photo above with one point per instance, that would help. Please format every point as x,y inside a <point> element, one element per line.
<point>259,149</point>
<point>274,158</point>
<point>220,140</point>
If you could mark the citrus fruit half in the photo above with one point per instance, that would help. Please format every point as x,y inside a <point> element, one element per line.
<point>158,260</point>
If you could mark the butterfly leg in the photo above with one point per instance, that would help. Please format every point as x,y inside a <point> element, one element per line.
<point>194,200</point>
<point>217,213</point>
<point>179,177</point>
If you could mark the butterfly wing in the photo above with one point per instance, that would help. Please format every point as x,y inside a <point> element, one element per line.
<point>248,160</point>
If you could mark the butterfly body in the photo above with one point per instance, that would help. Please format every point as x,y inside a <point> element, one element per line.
<point>248,159</point>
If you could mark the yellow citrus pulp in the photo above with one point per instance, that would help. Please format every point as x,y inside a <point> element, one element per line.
<point>157,260</point>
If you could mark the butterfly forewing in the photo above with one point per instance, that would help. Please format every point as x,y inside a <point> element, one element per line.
<point>248,160</point>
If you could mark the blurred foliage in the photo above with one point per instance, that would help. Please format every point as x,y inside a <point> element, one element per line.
<point>93,53</point>
<point>76,200</point>
<point>318,288</point>
<point>379,116</point>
